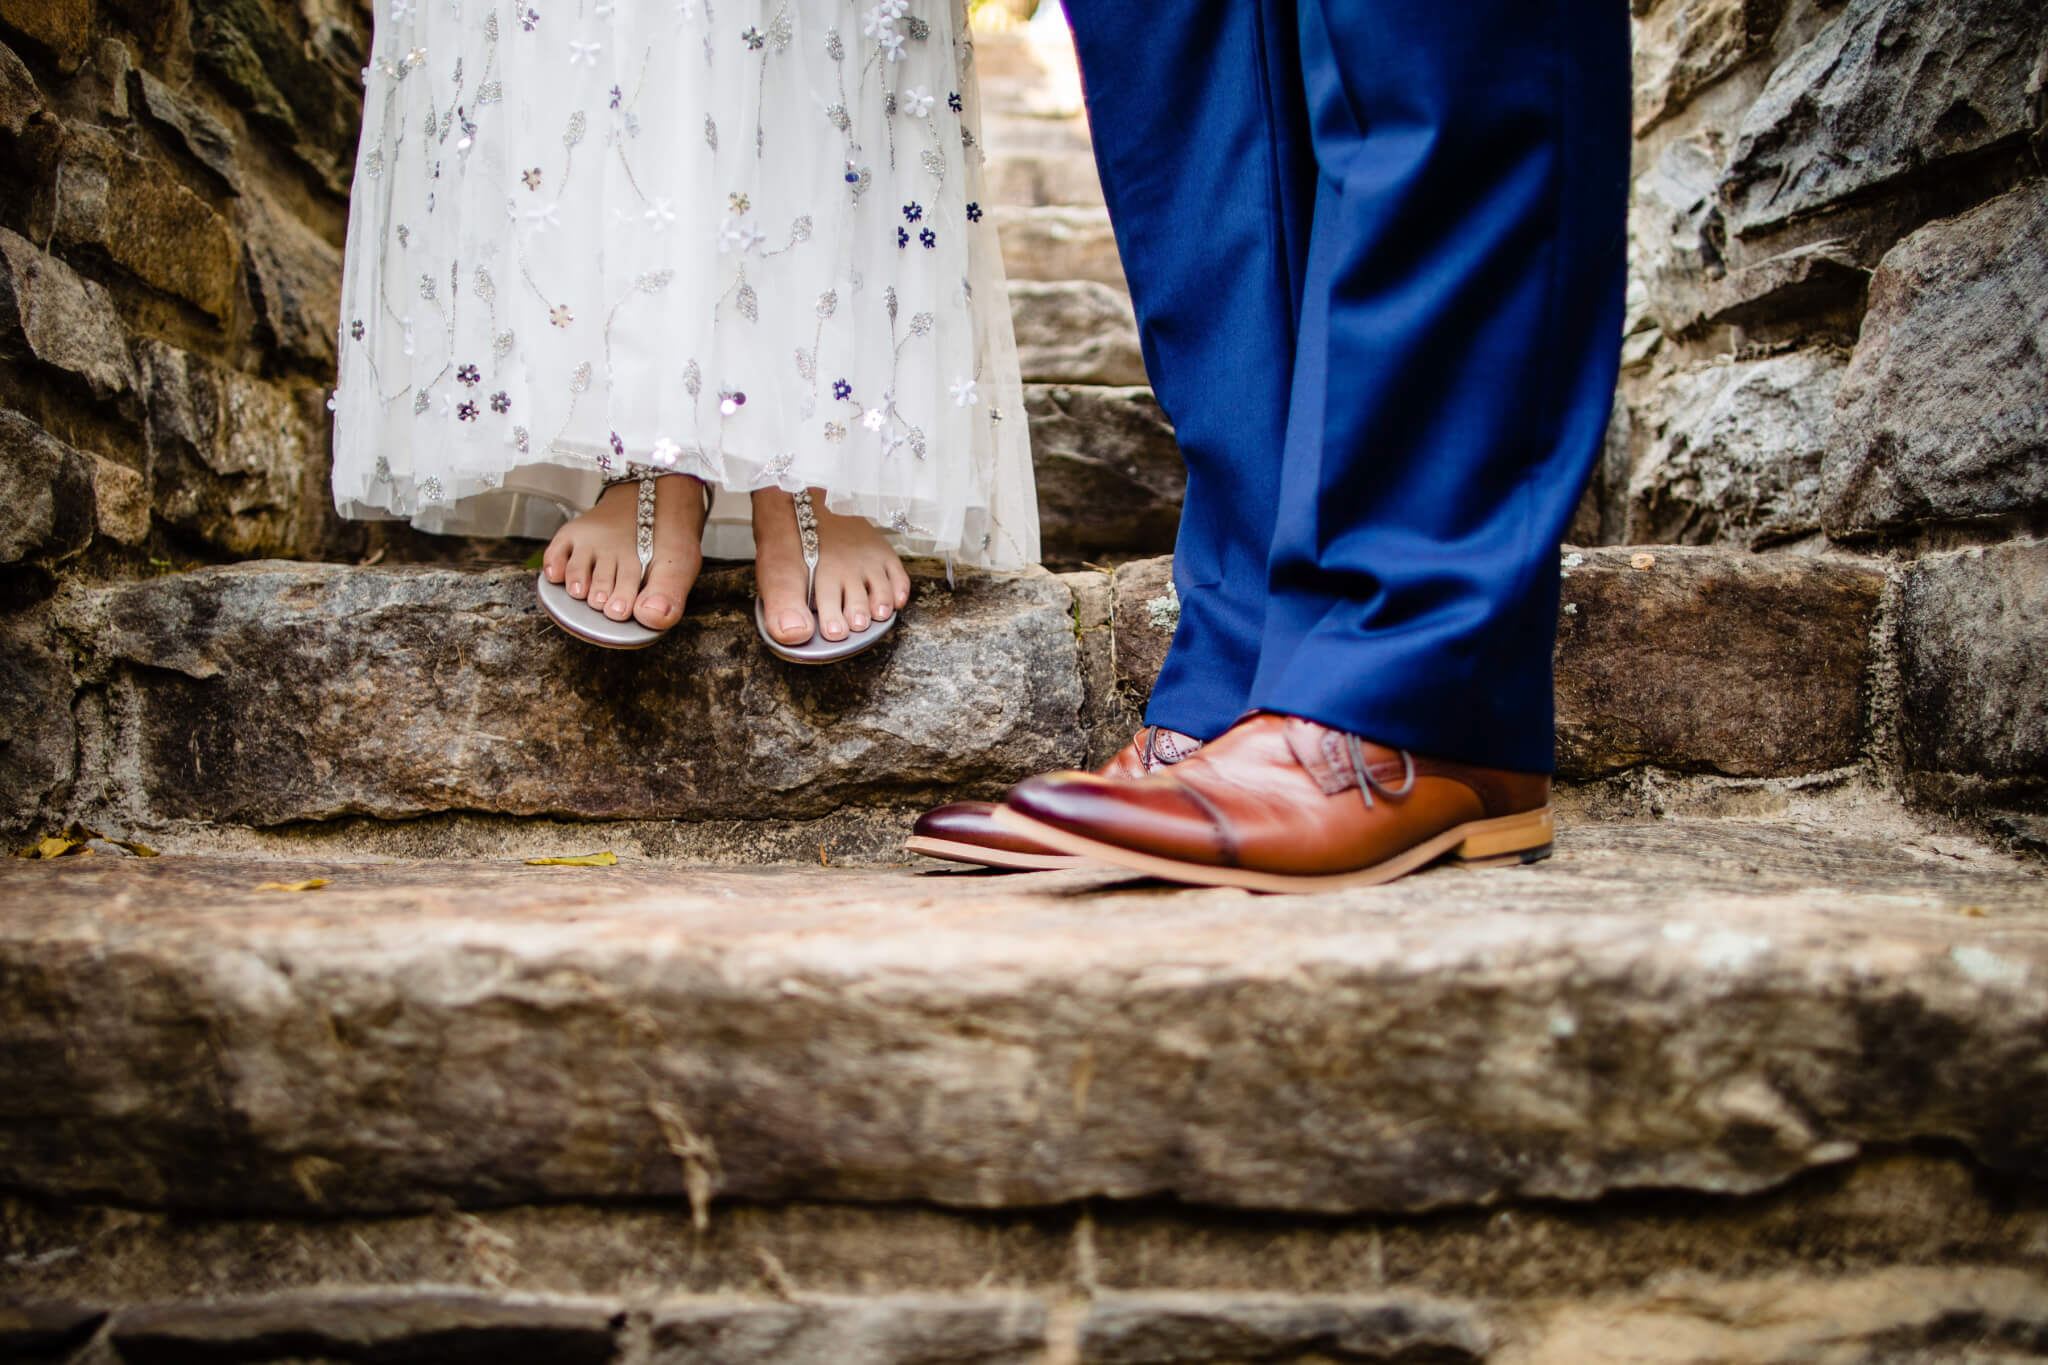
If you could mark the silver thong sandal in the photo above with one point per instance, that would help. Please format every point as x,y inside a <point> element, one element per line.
<point>817,649</point>
<point>589,623</point>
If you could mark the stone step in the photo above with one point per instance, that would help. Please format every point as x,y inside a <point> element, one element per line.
<point>1055,173</point>
<point>1702,1006</point>
<point>1060,243</point>
<point>1894,1313</point>
<point>324,702</point>
<point>1075,332</point>
<point>1109,472</point>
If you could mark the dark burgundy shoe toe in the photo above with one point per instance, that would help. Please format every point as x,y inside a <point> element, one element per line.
<point>1156,815</point>
<point>965,832</point>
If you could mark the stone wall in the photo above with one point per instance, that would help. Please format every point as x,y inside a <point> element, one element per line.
<point>173,193</point>
<point>1837,344</point>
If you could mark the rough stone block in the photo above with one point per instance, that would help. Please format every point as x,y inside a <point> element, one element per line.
<point>1888,89</point>
<point>20,100</point>
<point>112,64</point>
<point>1711,662</point>
<point>1800,287</point>
<point>145,220</point>
<point>1075,332</point>
<point>1147,613</point>
<point>1033,178</point>
<point>61,28</point>
<point>1735,452</point>
<point>905,1329</point>
<point>46,493</point>
<point>31,1332</point>
<point>271,67</point>
<point>269,693</point>
<point>1060,243</point>
<point>1704,660</point>
<point>1707,660</point>
<point>228,454</point>
<point>1715,1006</point>
<point>156,25</point>
<point>204,137</point>
<point>1943,413</point>
<point>1973,663</point>
<point>1110,475</point>
<point>295,284</point>
<point>120,501</point>
<point>1676,238</point>
<point>1895,1314</point>
<point>1601,517</point>
<point>38,737</point>
<point>235,63</point>
<point>377,1327</point>
<point>1683,46</point>
<point>1226,1329</point>
<point>1106,713</point>
<point>52,314</point>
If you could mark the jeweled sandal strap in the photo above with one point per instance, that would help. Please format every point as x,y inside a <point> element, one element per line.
<point>643,514</point>
<point>807,532</point>
<point>643,530</point>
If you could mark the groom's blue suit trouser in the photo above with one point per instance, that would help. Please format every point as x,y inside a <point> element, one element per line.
<point>1376,250</point>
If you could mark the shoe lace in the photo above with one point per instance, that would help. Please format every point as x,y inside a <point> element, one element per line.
<point>1367,783</point>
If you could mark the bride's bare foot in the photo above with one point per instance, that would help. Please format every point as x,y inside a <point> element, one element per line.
<point>859,577</point>
<point>595,555</point>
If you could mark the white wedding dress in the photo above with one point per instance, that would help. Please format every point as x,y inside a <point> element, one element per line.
<point>742,239</point>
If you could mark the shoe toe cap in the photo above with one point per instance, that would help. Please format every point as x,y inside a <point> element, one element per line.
<point>1154,815</point>
<point>968,820</point>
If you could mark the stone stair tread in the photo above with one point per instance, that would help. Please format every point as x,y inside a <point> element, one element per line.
<point>1714,1006</point>
<point>1075,332</point>
<point>1060,242</point>
<point>1054,171</point>
<point>278,696</point>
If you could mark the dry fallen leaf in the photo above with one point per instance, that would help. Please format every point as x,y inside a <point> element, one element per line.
<point>73,841</point>
<point>53,846</point>
<point>605,859</point>
<point>310,884</point>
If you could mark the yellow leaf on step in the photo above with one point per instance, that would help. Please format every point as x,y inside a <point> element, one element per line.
<point>52,846</point>
<point>605,859</point>
<point>310,884</point>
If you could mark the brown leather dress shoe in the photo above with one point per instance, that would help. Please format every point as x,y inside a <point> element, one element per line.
<point>1283,804</point>
<point>963,831</point>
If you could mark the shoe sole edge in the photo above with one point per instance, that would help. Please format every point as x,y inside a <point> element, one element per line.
<point>1505,840</point>
<point>952,851</point>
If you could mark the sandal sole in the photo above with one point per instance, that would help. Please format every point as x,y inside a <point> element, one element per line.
<point>568,613</point>
<point>819,650</point>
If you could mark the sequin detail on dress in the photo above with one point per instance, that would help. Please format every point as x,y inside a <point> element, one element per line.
<point>579,220</point>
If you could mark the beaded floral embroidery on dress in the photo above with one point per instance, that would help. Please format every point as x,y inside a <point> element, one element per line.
<point>742,241</point>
